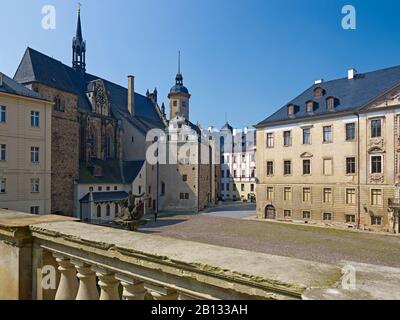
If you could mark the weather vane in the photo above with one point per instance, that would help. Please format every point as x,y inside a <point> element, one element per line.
<point>79,7</point>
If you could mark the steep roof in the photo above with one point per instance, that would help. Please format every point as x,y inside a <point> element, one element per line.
<point>10,86</point>
<point>37,67</point>
<point>350,95</point>
<point>113,171</point>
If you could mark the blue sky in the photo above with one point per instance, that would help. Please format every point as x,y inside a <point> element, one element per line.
<point>245,58</point>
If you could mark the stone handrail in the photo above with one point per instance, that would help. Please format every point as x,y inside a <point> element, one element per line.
<point>95,262</point>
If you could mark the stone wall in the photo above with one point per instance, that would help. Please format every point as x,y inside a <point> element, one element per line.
<point>64,149</point>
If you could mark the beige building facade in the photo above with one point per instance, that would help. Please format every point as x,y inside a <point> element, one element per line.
<point>329,159</point>
<point>25,149</point>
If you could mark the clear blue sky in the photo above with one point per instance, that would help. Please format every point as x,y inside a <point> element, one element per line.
<point>244,57</point>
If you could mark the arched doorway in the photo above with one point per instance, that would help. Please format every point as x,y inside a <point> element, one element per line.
<point>270,212</point>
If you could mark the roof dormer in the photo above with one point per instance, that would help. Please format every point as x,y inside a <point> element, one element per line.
<point>331,103</point>
<point>319,92</point>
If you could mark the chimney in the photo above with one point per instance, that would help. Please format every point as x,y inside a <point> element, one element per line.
<point>131,95</point>
<point>319,81</point>
<point>351,74</point>
<point>1,79</point>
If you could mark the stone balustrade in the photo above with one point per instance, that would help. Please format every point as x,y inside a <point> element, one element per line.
<point>94,262</point>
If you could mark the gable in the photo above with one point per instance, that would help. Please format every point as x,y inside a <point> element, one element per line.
<point>388,99</point>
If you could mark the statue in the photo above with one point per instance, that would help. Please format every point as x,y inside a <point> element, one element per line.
<point>132,212</point>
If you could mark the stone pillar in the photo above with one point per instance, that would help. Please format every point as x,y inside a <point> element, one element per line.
<point>87,284</point>
<point>68,286</point>
<point>133,289</point>
<point>109,285</point>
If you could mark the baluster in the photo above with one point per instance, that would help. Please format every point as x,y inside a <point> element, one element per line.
<point>164,294</point>
<point>87,284</point>
<point>68,286</point>
<point>133,289</point>
<point>108,283</point>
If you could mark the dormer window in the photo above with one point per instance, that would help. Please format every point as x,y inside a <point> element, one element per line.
<point>330,104</point>
<point>319,92</point>
<point>291,110</point>
<point>310,106</point>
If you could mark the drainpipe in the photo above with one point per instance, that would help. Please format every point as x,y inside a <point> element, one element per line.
<point>359,172</point>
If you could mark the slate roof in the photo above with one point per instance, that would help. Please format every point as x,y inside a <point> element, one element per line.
<point>113,171</point>
<point>12,87</point>
<point>37,67</point>
<point>105,196</point>
<point>351,95</point>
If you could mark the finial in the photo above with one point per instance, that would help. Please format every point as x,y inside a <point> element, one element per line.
<point>179,61</point>
<point>79,7</point>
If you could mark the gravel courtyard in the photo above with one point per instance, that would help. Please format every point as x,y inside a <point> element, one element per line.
<point>304,242</point>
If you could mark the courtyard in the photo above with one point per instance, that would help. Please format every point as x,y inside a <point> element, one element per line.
<point>227,226</point>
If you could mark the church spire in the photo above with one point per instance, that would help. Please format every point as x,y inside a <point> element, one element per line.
<point>179,77</point>
<point>79,47</point>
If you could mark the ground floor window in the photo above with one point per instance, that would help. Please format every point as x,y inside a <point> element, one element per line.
<point>327,216</point>
<point>376,221</point>
<point>287,213</point>
<point>116,209</point>
<point>108,210</point>
<point>350,218</point>
<point>306,215</point>
<point>184,196</point>
<point>35,210</point>
<point>98,211</point>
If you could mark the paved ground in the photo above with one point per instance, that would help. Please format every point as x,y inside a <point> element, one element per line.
<point>303,242</point>
<point>234,210</point>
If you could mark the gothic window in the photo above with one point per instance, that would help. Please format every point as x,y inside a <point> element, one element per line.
<point>58,104</point>
<point>98,211</point>
<point>109,146</point>
<point>108,210</point>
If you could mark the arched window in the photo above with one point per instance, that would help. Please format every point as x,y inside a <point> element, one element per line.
<point>109,146</point>
<point>108,210</point>
<point>58,104</point>
<point>98,211</point>
<point>116,209</point>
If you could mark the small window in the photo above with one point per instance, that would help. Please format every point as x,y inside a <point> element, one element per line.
<point>327,216</point>
<point>270,193</point>
<point>35,154</point>
<point>2,185</point>
<point>287,213</point>
<point>330,104</point>
<point>306,167</point>
<point>116,210</point>
<point>376,128</point>
<point>175,103</point>
<point>307,136</point>
<point>327,195</point>
<point>291,110</point>
<point>306,194</point>
<point>242,187</point>
<point>287,194</point>
<point>306,215</point>
<point>35,119</point>
<point>327,136</point>
<point>350,218</point>
<point>310,106</point>
<point>318,92</point>
<point>287,167</point>
<point>98,211</point>
<point>162,189</point>
<point>90,189</point>
<point>351,196</point>
<point>35,183</point>
<point>184,177</point>
<point>2,152</point>
<point>108,188</point>
<point>351,165</point>
<point>100,188</point>
<point>270,140</point>
<point>376,221</point>
<point>108,210</point>
<point>287,138</point>
<point>350,131</point>
<point>270,168</point>
<point>140,190</point>
<point>115,188</point>
<point>376,197</point>
<point>35,210</point>
<point>376,164</point>
<point>252,188</point>
<point>2,114</point>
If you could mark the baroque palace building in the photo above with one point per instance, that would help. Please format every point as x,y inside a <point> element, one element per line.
<point>25,142</point>
<point>331,155</point>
